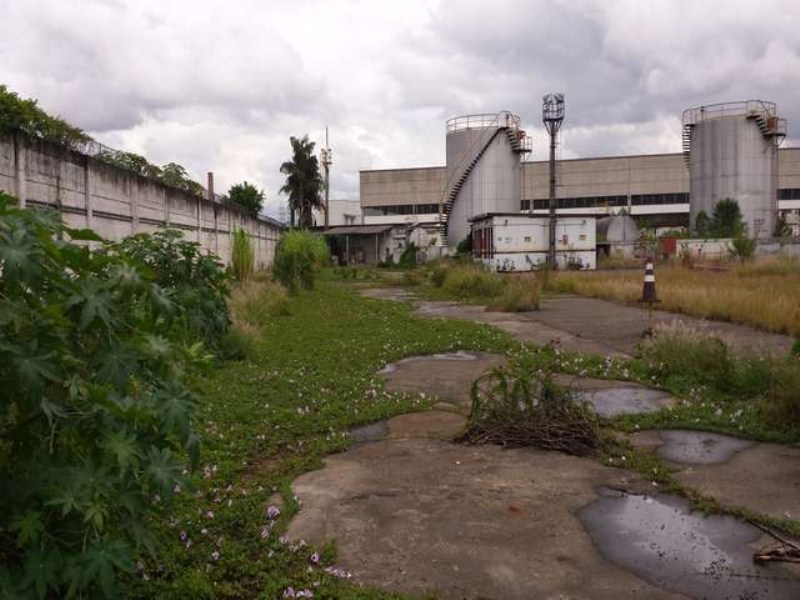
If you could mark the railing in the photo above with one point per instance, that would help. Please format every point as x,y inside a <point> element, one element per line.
<point>504,118</point>
<point>745,108</point>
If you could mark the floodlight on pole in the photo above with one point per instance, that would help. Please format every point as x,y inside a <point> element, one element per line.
<point>552,117</point>
<point>327,160</point>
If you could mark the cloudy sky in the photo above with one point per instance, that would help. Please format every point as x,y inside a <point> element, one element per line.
<point>221,86</point>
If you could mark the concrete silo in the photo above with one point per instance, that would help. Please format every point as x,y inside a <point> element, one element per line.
<point>483,170</point>
<point>731,150</point>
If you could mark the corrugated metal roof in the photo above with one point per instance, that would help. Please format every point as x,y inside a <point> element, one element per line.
<point>358,229</point>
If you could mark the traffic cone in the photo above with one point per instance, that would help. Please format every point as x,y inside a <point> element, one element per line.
<point>649,289</point>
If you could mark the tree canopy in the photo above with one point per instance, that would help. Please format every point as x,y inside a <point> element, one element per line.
<point>248,196</point>
<point>303,182</point>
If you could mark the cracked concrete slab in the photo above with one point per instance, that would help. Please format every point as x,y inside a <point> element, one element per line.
<point>761,477</point>
<point>423,516</point>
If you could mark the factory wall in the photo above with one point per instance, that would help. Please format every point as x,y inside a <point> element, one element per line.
<point>116,203</point>
<point>647,184</point>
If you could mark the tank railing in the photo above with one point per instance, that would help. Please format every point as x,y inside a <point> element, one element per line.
<point>504,118</point>
<point>745,108</point>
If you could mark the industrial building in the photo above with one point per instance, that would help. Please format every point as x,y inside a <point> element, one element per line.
<point>517,242</point>
<point>730,150</point>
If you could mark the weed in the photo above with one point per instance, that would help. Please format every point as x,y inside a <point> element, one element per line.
<point>520,293</point>
<point>519,406</point>
<point>471,282</point>
<point>242,255</point>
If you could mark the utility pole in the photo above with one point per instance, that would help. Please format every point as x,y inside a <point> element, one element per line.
<point>552,117</point>
<point>327,160</point>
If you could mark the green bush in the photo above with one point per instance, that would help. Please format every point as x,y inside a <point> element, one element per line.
<point>471,282</point>
<point>298,257</point>
<point>408,260</point>
<point>197,282</point>
<point>242,255</point>
<point>96,414</point>
<point>743,248</point>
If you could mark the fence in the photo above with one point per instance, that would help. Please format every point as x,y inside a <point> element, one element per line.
<point>116,203</point>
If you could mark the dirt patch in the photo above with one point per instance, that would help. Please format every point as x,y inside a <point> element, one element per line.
<point>425,515</point>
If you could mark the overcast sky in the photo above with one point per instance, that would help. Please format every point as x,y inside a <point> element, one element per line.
<point>221,86</point>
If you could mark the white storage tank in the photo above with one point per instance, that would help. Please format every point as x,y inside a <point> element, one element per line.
<point>732,152</point>
<point>483,169</point>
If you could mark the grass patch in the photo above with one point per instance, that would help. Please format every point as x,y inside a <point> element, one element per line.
<point>472,283</point>
<point>268,419</point>
<point>762,293</point>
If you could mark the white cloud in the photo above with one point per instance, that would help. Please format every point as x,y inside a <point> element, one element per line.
<point>221,86</point>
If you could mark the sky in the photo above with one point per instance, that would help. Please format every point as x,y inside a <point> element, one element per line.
<point>221,86</point>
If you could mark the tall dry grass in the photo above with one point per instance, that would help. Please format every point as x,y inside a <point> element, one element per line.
<point>255,302</point>
<point>765,293</point>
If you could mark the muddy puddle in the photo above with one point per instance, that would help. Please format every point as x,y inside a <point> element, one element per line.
<point>661,541</point>
<point>699,447</point>
<point>612,402</point>
<point>458,356</point>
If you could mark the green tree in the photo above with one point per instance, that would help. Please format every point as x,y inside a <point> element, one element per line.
<point>174,175</point>
<point>303,182</point>
<point>702,224</point>
<point>248,196</point>
<point>18,114</point>
<point>782,228</point>
<point>726,220</point>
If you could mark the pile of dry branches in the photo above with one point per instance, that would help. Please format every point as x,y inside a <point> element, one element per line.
<point>515,408</point>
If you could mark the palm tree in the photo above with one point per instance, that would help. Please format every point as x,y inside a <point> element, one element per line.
<point>303,182</point>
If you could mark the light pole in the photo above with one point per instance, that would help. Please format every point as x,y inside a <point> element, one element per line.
<point>327,160</point>
<point>552,117</point>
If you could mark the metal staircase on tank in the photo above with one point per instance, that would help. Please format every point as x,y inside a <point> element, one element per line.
<point>686,137</point>
<point>519,143</point>
<point>763,114</point>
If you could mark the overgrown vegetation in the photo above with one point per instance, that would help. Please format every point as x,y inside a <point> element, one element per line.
<point>171,174</point>
<point>469,281</point>
<point>268,419</point>
<point>197,282</point>
<point>763,293</point>
<point>18,114</point>
<point>242,255</point>
<point>724,222</point>
<point>299,256</point>
<point>96,350</point>
<point>520,405</point>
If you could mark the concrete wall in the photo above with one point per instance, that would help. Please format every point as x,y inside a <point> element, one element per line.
<point>402,186</point>
<point>116,203</point>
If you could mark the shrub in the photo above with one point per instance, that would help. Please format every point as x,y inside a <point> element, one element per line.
<point>197,282</point>
<point>781,404</point>
<point>520,294</point>
<point>298,257</point>
<point>408,259</point>
<point>257,302</point>
<point>471,281</point>
<point>242,255</point>
<point>96,412</point>
<point>743,248</point>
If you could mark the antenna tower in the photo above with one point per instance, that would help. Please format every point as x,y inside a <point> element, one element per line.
<point>327,160</point>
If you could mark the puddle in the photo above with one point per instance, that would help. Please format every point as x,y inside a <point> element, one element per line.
<point>699,447</point>
<point>460,355</point>
<point>661,541</point>
<point>612,402</point>
<point>373,432</point>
